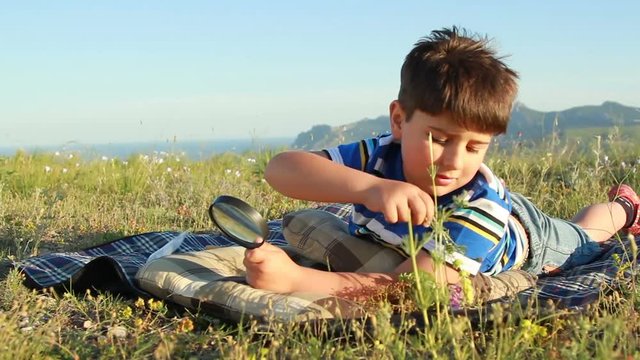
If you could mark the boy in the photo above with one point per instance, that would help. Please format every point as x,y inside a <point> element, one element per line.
<point>455,95</point>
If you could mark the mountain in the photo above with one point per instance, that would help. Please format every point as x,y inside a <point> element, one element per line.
<point>525,123</point>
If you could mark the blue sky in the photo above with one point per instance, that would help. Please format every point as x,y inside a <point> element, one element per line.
<point>119,71</point>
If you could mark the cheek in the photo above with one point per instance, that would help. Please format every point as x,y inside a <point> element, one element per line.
<point>472,166</point>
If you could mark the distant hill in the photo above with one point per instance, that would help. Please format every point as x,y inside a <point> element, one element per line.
<point>526,124</point>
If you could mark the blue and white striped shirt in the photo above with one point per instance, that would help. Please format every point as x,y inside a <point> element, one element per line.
<point>487,239</point>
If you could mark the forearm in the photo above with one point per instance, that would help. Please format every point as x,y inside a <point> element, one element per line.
<point>307,176</point>
<point>361,286</point>
<point>355,286</point>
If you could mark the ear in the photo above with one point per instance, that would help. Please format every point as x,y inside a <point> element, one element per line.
<point>397,118</point>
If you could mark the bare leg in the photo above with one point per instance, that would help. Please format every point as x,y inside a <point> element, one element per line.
<point>601,221</point>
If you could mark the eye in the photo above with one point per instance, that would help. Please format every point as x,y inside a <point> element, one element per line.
<point>473,150</point>
<point>438,140</point>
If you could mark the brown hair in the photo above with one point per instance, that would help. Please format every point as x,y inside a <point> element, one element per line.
<point>453,71</point>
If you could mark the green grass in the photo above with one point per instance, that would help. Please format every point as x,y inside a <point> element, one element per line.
<point>62,202</point>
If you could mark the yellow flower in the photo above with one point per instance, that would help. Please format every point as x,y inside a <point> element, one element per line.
<point>126,312</point>
<point>138,322</point>
<point>139,303</point>
<point>185,325</point>
<point>531,331</point>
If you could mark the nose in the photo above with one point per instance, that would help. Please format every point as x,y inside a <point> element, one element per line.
<point>452,158</point>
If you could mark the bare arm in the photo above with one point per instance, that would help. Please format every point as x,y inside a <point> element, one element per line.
<point>268,267</point>
<point>312,176</point>
<point>301,174</point>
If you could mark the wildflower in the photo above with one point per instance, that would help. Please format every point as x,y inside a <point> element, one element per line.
<point>65,170</point>
<point>158,160</point>
<point>237,173</point>
<point>623,165</point>
<point>70,156</point>
<point>251,160</point>
<point>227,171</point>
<point>104,158</point>
<point>138,322</point>
<point>185,325</point>
<point>169,169</point>
<point>125,163</point>
<point>47,168</point>
<point>57,153</point>
<point>139,303</point>
<point>531,331</point>
<point>126,312</point>
<point>77,164</point>
<point>177,159</point>
<point>155,305</point>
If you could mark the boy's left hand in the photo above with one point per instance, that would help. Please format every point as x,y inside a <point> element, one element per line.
<point>270,268</point>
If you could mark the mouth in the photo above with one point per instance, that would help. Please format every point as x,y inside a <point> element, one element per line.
<point>443,180</point>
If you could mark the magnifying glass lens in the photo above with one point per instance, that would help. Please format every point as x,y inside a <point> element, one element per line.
<point>238,220</point>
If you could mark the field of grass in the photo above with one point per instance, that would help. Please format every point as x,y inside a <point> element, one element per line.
<point>58,202</point>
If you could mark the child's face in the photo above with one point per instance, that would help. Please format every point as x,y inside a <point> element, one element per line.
<point>457,152</point>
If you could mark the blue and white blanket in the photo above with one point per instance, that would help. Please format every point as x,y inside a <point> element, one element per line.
<point>113,266</point>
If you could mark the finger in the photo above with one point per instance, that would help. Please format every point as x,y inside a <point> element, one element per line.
<point>418,210</point>
<point>427,200</point>
<point>404,212</point>
<point>254,256</point>
<point>390,214</point>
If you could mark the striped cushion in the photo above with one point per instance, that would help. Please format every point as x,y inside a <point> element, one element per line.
<point>214,280</point>
<point>325,238</point>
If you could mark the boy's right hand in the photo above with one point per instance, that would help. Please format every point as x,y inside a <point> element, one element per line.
<point>400,201</point>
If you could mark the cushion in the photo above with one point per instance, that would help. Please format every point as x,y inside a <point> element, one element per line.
<point>323,237</point>
<point>213,280</point>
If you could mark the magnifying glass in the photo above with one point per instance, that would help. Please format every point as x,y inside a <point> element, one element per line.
<point>239,221</point>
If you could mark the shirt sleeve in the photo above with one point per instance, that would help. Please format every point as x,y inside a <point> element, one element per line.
<point>354,155</point>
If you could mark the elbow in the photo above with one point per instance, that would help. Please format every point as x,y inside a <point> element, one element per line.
<point>274,168</point>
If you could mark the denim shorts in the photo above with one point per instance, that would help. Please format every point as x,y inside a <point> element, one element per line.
<point>554,244</point>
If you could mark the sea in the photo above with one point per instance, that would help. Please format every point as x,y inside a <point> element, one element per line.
<point>194,150</point>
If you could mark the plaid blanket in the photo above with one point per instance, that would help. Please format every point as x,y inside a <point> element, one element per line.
<point>113,266</point>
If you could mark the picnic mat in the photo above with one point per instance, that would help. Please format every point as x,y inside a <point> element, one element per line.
<point>112,266</point>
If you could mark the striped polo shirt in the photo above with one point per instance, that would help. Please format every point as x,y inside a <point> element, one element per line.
<point>483,233</point>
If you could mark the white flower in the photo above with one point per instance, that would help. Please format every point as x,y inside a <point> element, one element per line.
<point>47,168</point>
<point>65,170</point>
<point>227,171</point>
<point>57,153</point>
<point>158,160</point>
<point>177,159</point>
<point>251,160</point>
<point>125,163</point>
<point>70,156</point>
<point>104,158</point>
<point>237,173</point>
<point>77,164</point>
<point>169,169</point>
<point>623,165</point>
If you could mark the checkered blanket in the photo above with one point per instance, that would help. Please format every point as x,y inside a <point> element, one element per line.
<point>113,266</point>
